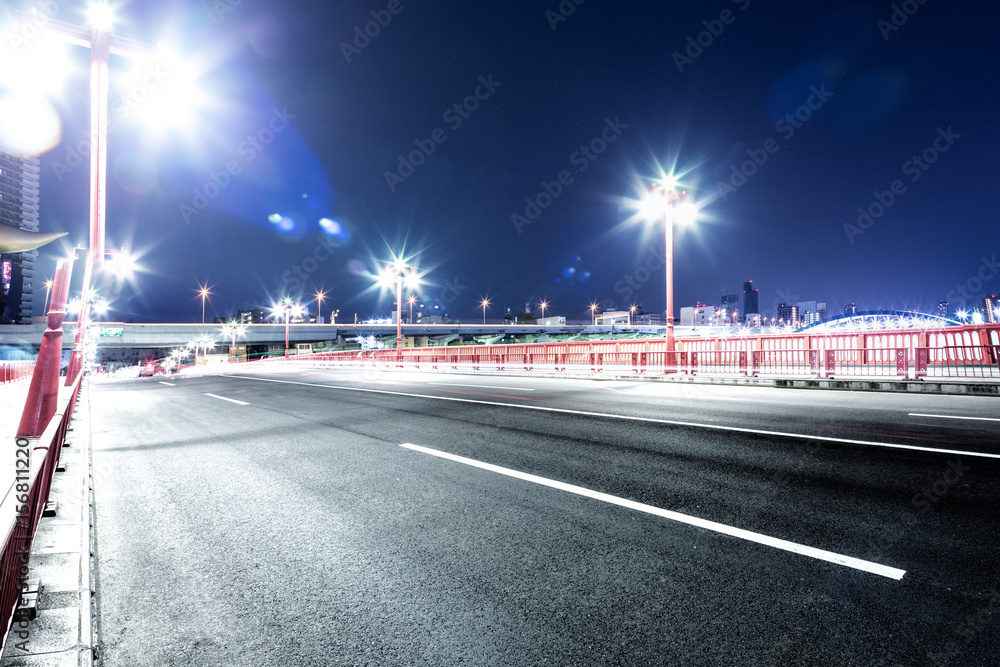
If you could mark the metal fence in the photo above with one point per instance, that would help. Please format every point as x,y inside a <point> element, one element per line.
<point>957,352</point>
<point>14,371</point>
<point>24,502</point>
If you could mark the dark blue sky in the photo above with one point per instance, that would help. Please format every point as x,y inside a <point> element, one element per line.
<point>869,96</point>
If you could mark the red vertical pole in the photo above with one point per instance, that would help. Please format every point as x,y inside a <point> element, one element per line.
<point>99,45</point>
<point>43,394</point>
<point>668,235</point>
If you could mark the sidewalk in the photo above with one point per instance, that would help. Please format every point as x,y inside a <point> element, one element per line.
<point>60,635</point>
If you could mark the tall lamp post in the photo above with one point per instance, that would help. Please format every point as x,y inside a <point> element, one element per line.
<point>233,329</point>
<point>412,300</point>
<point>593,314</point>
<point>484,303</point>
<point>101,42</point>
<point>543,305</point>
<point>203,292</point>
<point>399,272</point>
<point>320,295</point>
<point>665,195</point>
<point>288,307</point>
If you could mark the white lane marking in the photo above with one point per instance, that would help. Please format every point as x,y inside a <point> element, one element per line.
<point>650,420</point>
<point>982,419</point>
<point>777,543</point>
<point>479,386</point>
<point>231,400</point>
<point>169,384</point>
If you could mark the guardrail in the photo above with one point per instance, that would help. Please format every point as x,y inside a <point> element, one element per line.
<point>956,352</point>
<point>15,371</point>
<point>25,502</point>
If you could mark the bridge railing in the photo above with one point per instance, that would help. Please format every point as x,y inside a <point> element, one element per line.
<point>23,504</point>
<point>15,371</point>
<point>955,352</point>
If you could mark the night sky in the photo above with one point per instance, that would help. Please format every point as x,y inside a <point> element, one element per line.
<point>780,125</point>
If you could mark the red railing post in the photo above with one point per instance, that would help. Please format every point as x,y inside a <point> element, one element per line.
<point>902,365</point>
<point>755,362</point>
<point>922,354</point>
<point>831,361</point>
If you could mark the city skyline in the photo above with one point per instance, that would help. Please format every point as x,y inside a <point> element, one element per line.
<point>830,166</point>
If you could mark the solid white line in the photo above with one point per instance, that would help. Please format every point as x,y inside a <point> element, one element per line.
<point>650,420</point>
<point>982,419</point>
<point>812,552</point>
<point>480,386</point>
<point>169,384</point>
<point>231,400</point>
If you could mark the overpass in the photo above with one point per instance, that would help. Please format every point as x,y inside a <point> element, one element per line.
<point>149,336</point>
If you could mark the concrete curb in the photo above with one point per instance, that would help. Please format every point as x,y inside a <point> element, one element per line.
<point>61,633</point>
<point>964,387</point>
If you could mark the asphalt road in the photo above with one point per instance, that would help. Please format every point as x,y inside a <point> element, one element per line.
<point>275,519</point>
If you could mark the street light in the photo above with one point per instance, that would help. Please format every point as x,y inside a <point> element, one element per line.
<point>320,295</point>
<point>399,272</point>
<point>203,291</point>
<point>484,303</point>
<point>663,196</point>
<point>631,313</point>
<point>543,305</point>
<point>233,329</point>
<point>288,307</point>
<point>593,313</point>
<point>412,300</point>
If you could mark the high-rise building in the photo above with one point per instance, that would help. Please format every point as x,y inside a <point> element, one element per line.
<point>850,309</point>
<point>18,208</point>
<point>942,309</point>
<point>991,309</point>
<point>730,303</point>
<point>788,314</point>
<point>698,315</point>
<point>750,300</point>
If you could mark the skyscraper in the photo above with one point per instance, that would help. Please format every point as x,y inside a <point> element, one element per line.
<point>991,309</point>
<point>942,309</point>
<point>18,208</point>
<point>750,300</point>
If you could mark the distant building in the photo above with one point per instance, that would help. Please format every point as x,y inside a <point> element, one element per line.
<point>788,315</point>
<point>750,301</point>
<point>613,317</point>
<point>554,321</point>
<point>730,303</point>
<point>18,208</point>
<point>698,315</point>
<point>252,316</point>
<point>647,318</point>
<point>811,312</point>
<point>991,309</point>
<point>942,309</point>
<point>850,309</point>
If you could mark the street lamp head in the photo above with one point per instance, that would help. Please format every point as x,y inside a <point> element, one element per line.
<point>101,16</point>
<point>685,213</point>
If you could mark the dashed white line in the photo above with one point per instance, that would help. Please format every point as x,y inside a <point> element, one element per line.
<point>759,538</point>
<point>649,420</point>
<point>982,419</point>
<point>231,400</point>
<point>169,384</point>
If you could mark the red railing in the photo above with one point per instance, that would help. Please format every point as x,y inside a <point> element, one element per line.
<point>24,501</point>
<point>14,371</point>
<point>956,352</point>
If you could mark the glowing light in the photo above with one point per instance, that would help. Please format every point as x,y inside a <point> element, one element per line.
<point>685,213</point>
<point>274,218</point>
<point>331,227</point>
<point>30,124</point>
<point>101,16</point>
